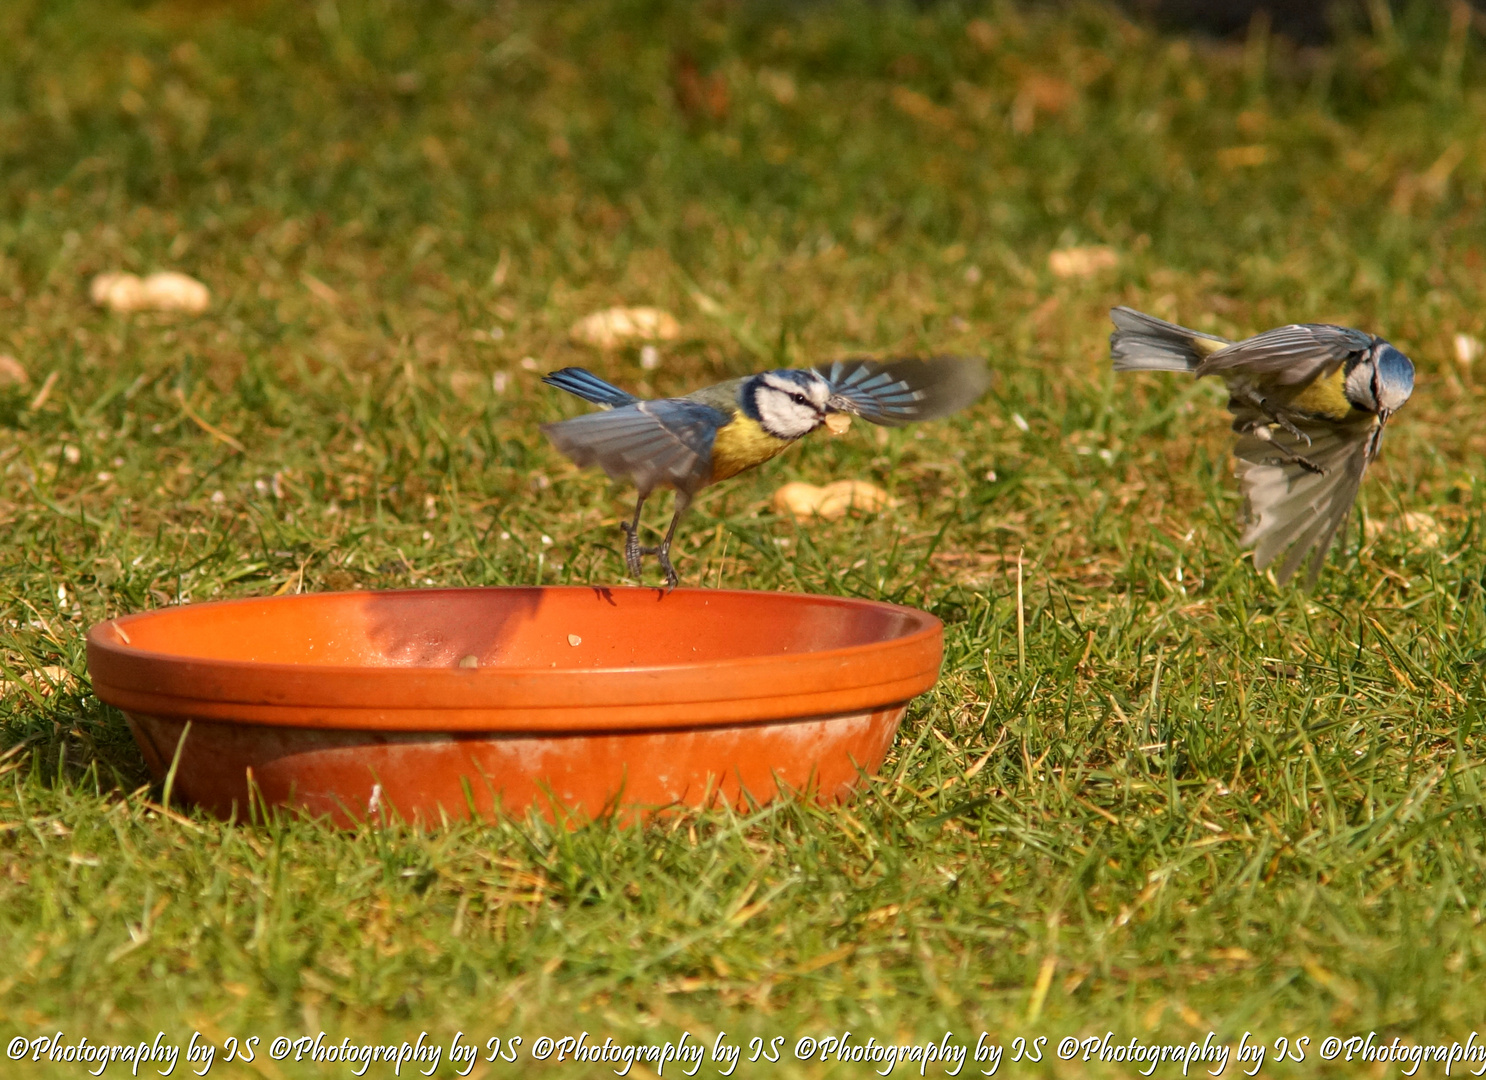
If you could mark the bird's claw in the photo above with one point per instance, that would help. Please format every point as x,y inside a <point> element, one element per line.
<point>1263,432</point>
<point>634,551</point>
<point>1286,455</point>
<point>1292,429</point>
<point>663,555</point>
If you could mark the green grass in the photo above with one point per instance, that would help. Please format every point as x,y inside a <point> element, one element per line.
<point>1197,801</point>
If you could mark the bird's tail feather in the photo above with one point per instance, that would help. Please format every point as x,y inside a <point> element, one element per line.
<point>1145,343</point>
<point>589,387</point>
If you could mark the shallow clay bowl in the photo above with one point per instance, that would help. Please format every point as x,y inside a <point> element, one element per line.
<point>434,703</point>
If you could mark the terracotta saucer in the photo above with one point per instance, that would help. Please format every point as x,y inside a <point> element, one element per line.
<point>453,702</point>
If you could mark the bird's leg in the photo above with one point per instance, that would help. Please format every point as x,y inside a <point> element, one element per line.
<point>1307,464</point>
<point>632,548</point>
<point>1260,402</point>
<point>1289,426</point>
<point>663,552</point>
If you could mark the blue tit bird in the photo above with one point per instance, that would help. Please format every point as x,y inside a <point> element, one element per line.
<point>1309,401</point>
<point>689,443</point>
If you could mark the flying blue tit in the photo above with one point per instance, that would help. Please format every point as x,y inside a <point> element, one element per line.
<point>1310,402</point>
<point>688,443</point>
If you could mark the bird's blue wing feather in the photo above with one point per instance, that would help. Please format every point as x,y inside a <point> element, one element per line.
<point>901,391</point>
<point>650,443</point>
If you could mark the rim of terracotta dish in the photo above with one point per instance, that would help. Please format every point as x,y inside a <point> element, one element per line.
<point>865,676</point>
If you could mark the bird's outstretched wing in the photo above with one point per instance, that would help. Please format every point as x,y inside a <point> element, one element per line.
<point>1298,495</point>
<point>650,443</point>
<point>897,392</point>
<point>1292,355</point>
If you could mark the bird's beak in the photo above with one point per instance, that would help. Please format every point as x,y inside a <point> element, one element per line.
<point>1383,415</point>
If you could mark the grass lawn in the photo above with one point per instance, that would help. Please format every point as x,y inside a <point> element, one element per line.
<point>1191,802</point>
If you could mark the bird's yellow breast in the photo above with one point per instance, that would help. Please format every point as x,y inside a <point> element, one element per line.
<point>741,444</point>
<point>1325,397</point>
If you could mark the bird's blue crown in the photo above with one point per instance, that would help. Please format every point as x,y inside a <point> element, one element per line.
<point>1395,370</point>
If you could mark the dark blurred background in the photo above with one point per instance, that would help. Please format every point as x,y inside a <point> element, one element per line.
<point>1306,22</point>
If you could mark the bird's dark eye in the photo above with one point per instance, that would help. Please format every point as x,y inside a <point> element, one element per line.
<point>799,399</point>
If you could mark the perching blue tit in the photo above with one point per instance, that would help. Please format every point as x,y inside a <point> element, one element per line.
<point>691,442</point>
<point>1310,402</point>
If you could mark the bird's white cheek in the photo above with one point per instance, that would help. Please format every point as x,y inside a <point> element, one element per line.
<point>785,418</point>
<point>1359,388</point>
